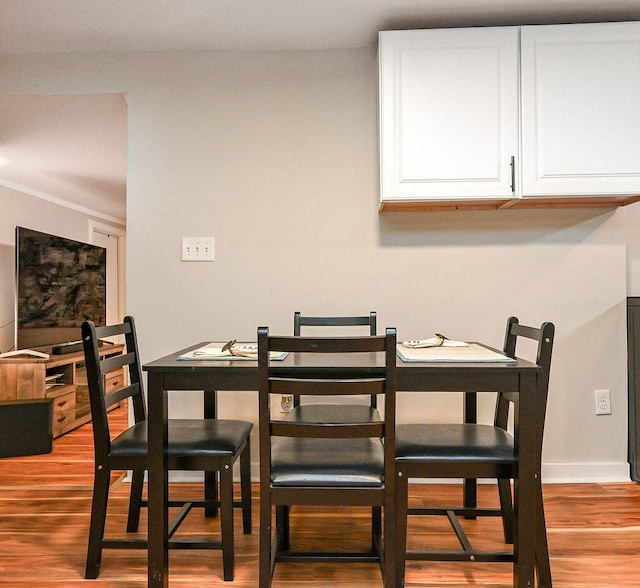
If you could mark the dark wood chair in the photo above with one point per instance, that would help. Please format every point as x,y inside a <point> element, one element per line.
<point>330,461</point>
<point>471,451</point>
<point>207,445</point>
<point>369,321</point>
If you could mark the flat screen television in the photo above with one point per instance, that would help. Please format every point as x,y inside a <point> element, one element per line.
<point>59,283</point>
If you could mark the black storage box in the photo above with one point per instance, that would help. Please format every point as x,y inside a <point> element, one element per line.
<point>26,427</point>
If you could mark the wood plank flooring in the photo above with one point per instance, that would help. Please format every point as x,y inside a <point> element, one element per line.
<point>45,501</point>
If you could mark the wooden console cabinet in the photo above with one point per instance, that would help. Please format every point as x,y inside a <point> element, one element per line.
<point>61,378</point>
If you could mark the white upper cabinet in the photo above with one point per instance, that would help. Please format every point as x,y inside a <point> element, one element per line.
<point>448,113</point>
<point>458,106</point>
<point>581,109</point>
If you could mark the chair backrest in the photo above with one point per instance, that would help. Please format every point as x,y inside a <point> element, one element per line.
<point>334,321</point>
<point>543,335</point>
<point>369,320</point>
<point>351,376</point>
<point>98,363</point>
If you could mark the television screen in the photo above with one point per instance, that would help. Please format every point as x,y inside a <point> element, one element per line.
<point>60,283</point>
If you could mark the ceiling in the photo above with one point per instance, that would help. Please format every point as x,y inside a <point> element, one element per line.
<point>34,26</point>
<point>73,148</point>
<point>67,149</point>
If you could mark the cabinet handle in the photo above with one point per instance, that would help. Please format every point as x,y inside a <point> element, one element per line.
<point>61,404</point>
<point>513,174</point>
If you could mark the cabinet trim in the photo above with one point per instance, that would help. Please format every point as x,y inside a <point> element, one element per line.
<point>516,204</point>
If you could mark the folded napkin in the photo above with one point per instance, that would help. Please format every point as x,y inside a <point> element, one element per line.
<point>244,350</point>
<point>236,350</point>
<point>230,351</point>
<point>437,341</point>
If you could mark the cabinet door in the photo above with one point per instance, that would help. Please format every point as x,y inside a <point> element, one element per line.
<point>448,113</point>
<point>581,109</point>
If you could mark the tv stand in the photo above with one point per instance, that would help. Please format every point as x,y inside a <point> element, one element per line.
<point>61,378</point>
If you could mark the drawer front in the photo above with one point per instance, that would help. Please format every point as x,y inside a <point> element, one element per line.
<point>113,381</point>
<point>64,413</point>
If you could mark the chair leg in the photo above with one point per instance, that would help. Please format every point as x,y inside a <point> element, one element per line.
<point>245,488</point>
<point>265,569</point>
<point>376,528</point>
<point>401,507</point>
<point>543,565</point>
<point>98,518</point>
<point>506,506</point>
<point>211,493</point>
<point>283,535</point>
<point>226,522</point>
<point>470,497</point>
<point>135,501</point>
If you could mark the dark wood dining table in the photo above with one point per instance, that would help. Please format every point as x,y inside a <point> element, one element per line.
<point>170,374</point>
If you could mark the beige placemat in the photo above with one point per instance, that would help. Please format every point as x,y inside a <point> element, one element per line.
<point>241,352</point>
<point>471,354</point>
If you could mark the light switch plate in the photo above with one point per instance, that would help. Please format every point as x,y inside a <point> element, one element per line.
<point>197,249</point>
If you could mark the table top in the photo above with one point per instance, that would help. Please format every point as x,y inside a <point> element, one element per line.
<point>243,375</point>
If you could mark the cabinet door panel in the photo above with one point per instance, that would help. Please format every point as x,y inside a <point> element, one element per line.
<point>581,109</point>
<point>448,113</point>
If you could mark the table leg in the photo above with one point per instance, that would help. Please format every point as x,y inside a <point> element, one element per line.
<point>470,487</point>
<point>158,549</point>
<point>210,478</point>
<point>525,495</point>
<point>389,570</point>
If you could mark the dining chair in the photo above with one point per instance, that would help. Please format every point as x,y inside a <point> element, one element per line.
<point>351,410</point>
<point>332,461</point>
<point>193,444</point>
<point>472,451</point>
<point>357,411</point>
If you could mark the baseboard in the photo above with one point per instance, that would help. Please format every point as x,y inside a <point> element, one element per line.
<point>575,473</point>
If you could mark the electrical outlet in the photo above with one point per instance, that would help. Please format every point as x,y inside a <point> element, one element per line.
<point>197,249</point>
<point>603,402</point>
<point>286,402</point>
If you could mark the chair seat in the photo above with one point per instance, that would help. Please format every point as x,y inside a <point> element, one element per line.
<point>187,437</point>
<point>447,442</point>
<point>334,413</point>
<point>327,462</point>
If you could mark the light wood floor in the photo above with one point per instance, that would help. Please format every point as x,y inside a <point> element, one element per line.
<point>594,534</point>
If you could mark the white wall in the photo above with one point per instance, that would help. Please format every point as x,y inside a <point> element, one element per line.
<point>275,155</point>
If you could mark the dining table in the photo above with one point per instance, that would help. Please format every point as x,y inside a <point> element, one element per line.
<point>182,371</point>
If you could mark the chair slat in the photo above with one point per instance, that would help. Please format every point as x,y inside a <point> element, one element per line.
<point>294,344</point>
<point>112,330</point>
<point>369,320</point>
<point>117,361</point>
<point>327,387</point>
<point>525,331</point>
<point>121,394</point>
